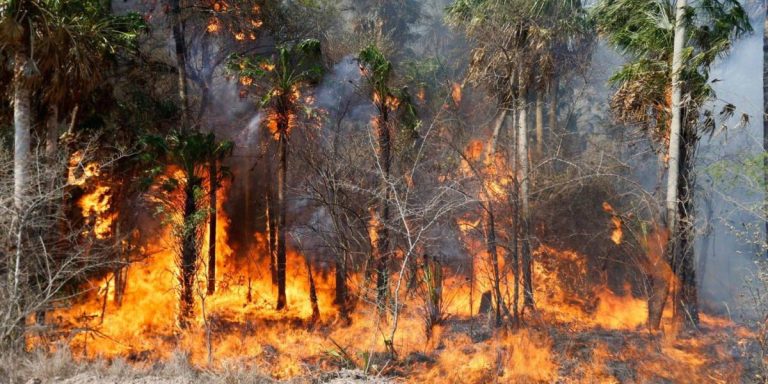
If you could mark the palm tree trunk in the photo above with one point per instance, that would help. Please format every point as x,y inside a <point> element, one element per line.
<point>212,223</point>
<point>188,252</point>
<point>281,217</point>
<point>522,152</point>
<point>660,289</point>
<point>686,300</point>
<point>181,61</point>
<point>22,123</point>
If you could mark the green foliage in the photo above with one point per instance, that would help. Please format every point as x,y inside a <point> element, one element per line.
<point>643,31</point>
<point>190,152</point>
<point>378,74</point>
<point>541,39</point>
<point>291,66</point>
<point>73,43</point>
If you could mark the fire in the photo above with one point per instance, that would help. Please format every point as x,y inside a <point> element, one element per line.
<point>240,36</point>
<point>213,25</point>
<point>456,93</point>
<point>269,67</point>
<point>246,80</point>
<point>239,320</point>
<point>78,173</point>
<point>617,234</point>
<point>95,207</point>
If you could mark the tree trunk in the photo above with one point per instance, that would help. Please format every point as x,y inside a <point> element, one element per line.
<point>539,123</point>
<point>382,246</point>
<point>188,252</point>
<point>271,235</point>
<point>281,206</point>
<point>677,247</point>
<point>490,242</point>
<point>498,124</point>
<point>312,295</point>
<point>22,123</point>
<point>213,175</point>
<point>52,133</point>
<point>522,151</point>
<point>686,298</point>
<point>552,112</point>
<point>181,61</point>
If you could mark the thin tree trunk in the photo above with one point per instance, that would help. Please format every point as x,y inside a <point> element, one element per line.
<point>181,61</point>
<point>213,175</point>
<point>552,112</point>
<point>52,133</point>
<point>271,235</point>
<point>494,255</point>
<point>281,218</point>
<point>382,246</point>
<point>498,124</point>
<point>312,295</point>
<point>522,150</point>
<point>539,123</point>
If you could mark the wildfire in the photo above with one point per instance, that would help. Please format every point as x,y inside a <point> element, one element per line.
<point>78,173</point>
<point>456,93</point>
<point>95,208</point>
<point>213,25</point>
<point>617,234</point>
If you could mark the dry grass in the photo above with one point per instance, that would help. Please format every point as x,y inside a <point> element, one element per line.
<point>61,367</point>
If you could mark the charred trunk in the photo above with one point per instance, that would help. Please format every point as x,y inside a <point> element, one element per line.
<point>686,301</point>
<point>213,175</point>
<point>490,242</point>
<point>188,251</point>
<point>281,218</point>
<point>177,22</point>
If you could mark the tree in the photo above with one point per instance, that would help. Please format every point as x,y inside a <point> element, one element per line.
<point>191,153</point>
<point>541,41</point>
<point>290,68</point>
<point>377,72</point>
<point>67,46</point>
<point>671,49</point>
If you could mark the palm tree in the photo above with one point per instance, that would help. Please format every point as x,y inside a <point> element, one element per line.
<point>670,50</point>
<point>291,67</point>
<point>74,44</point>
<point>191,154</point>
<point>391,104</point>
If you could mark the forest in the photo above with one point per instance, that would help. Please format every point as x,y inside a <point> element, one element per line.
<point>383,191</point>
